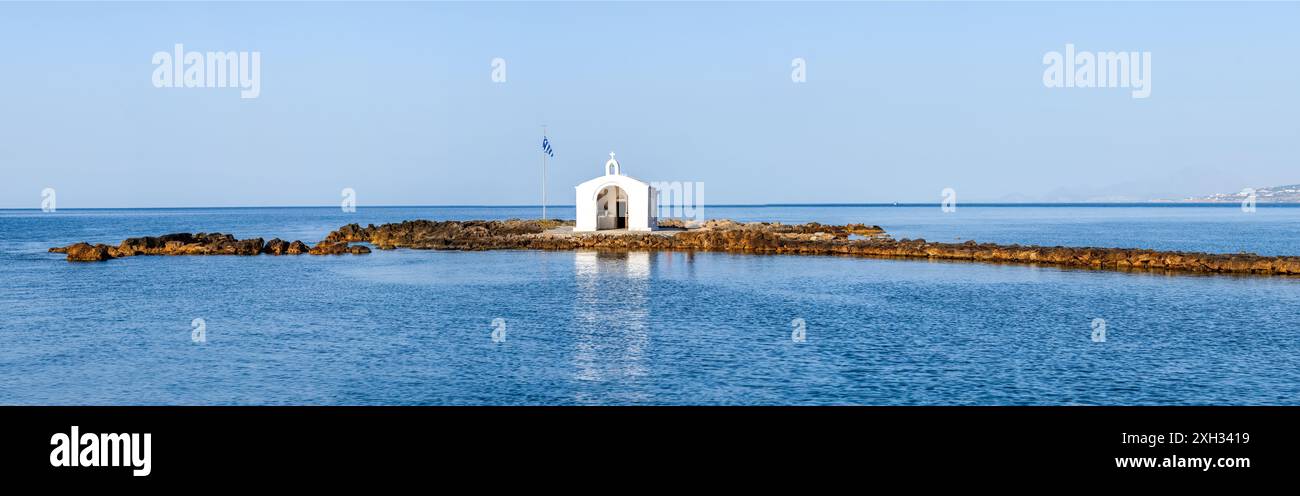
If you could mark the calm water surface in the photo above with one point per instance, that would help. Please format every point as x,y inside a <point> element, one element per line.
<point>414,327</point>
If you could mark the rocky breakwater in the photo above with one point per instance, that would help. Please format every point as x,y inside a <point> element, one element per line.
<point>808,239</point>
<point>715,235</point>
<point>199,244</point>
<point>448,235</point>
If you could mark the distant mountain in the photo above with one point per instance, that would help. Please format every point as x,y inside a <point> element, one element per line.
<point>1275,194</point>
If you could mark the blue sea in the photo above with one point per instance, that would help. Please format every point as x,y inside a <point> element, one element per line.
<point>411,327</point>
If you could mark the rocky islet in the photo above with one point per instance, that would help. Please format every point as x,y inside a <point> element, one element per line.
<point>715,235</point>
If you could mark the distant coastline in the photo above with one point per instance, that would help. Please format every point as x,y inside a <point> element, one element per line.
<point>1272,194</point>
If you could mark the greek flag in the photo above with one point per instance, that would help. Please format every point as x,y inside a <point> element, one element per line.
<point>546,147</point>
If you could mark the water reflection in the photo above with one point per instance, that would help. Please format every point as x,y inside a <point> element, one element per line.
<point>585,264</point>
<point>684,259</point>
<point>636,313</point>
<point>611,314</point>
<point>638,265</point>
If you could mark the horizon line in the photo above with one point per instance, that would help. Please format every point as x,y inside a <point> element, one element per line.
<point>728,205</point>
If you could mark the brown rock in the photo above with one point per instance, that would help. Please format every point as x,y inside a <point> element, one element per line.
<point>248,247</point>
<point>275,246</point>
<point>84,252</point>
<point>328,248</point>
<point>350,233</point>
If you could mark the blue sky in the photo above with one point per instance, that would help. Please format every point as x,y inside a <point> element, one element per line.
<point>396,101</point>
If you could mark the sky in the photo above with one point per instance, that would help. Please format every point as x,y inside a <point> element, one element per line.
<point>398,102</point>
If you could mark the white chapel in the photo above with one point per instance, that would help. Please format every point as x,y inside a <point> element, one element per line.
<point>616,201</point>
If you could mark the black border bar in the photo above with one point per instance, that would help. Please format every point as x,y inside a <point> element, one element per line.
<point>395,443</point>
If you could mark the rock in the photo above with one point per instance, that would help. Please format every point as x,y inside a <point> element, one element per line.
<point>349,233</point>
<point>275,246</point>
<point>864,230</point>
<point>359,250</point>
<point>248,247</point>
<point>720,224</point>
<point>84,252</point>
<point>328,248</point>
<point>178,244</point>
<point>297,248</point>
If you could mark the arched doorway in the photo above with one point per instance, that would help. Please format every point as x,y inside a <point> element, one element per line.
<point>611,208</point>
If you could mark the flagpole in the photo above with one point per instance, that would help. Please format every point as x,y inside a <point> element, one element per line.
<point>543,176</point>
